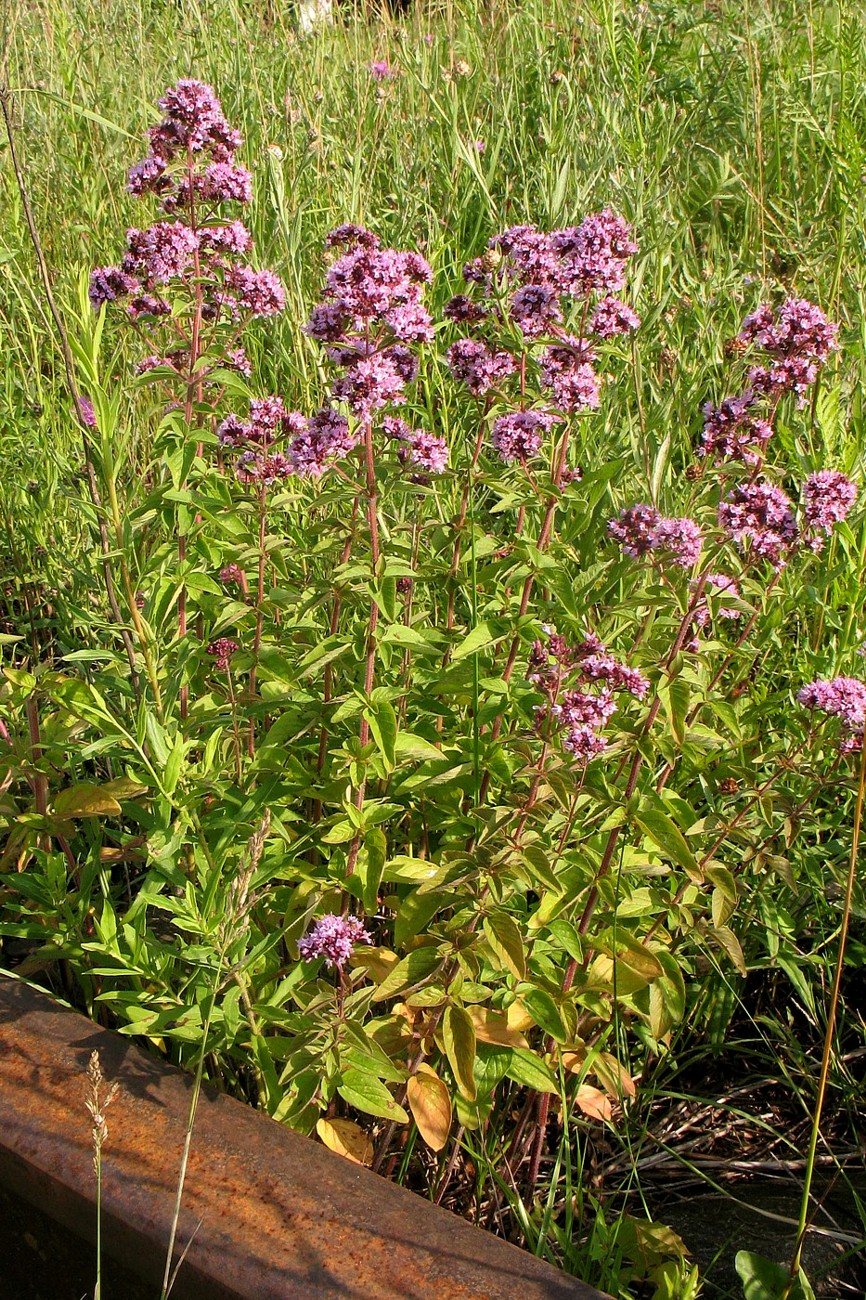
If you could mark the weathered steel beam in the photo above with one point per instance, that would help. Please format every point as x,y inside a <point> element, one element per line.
<point>273,1215</point>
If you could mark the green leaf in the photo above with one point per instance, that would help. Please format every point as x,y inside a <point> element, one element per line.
<point>478,639</point>
<point>504,937</point>
<point>667,996</point>
<point>529,1070</point>
<point>383,725</point>
<point>663,832</point>
<point>409,745</point>
<point>458,1033</point>
<point>371,864</point>
<point>412,970</point>
<point>545,1013</point>
<point>763,1279</point>
<point>85,800</point>
<point>731,944</point>
<point>415,911</point>
<point>367,1093</point>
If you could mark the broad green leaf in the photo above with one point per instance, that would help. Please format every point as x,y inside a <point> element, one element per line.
<point>412,970</point>
<point>367,1093</point>
<point>663,832</point>
<point>529,1070</point>
<point>504,937</point>
<point>763,1279</point>
<point>383,725</point>
<point>85,800</point>
<point>478,639</point>
<point>371,864</point>
<point>458,1033</point>
<point>544,1012</point>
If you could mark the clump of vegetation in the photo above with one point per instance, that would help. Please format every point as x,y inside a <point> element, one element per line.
<point>523,648</point>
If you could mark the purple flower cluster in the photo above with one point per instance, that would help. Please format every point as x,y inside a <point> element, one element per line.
<point>222,650</point>
<point>844,698</point>
<point>479,367</point>
<point>326,439</point>
<point>641,530</point>
<point>194,258</point>
<point>717,585</point>
<point>760,519</point>
<point>334,938</point>
<point>417,448</point>
<point>567,369</point>
<point>518,436</point>
<point>612,317</point>
<point>827,498</point>
<point>594,678</point>
<point>373,310</point>
<point>732,431</point>
<point>528,282</point>
<point>798,339</point>
<point>307,445</point>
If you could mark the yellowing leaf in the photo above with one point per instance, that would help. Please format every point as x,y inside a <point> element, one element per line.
<point>517,1017</point>
<point>458,1033</point>
<point>613,1076</point>
<point>347,1139</point>
<point>430,1105</point>
<point>85,801</point>
<point>493,1027</point>
<point>593,1102</point>
<point>376,961</point>
<point>503,935</point>
<point>573,1061</point>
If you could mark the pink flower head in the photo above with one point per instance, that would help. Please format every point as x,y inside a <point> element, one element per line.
<point>193,121</point>
<point>844,698</point>
<point>381,70</point>
<point>108,283</point>
<point>827,498</point>
<point>760,519</point>
<point>798,339</point>
<point>733,432</point>
<point>88,415</point>
<point>535,310</point>
<point>222,650</point>
<point>478,366</point>
<point>160,253</point>
<point>594,255</point>
<point>325,439</point>
<point>612,317</point>
<point>418,448</point>
<point>566,368</point>
<point>641,529</point>
<point>334,938</point>
<point>518,436</point>
<point>258,292</point>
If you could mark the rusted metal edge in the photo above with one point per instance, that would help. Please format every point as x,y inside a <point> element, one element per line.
<point>272,1214</point>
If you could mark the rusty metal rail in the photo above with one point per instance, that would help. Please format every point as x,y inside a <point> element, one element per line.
<point>273,1216</point>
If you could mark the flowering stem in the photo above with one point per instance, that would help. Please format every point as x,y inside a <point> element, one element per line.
<point>667,771</point>
<point>541,545</point>
<point>260,610</point>
<point>828,1036</point>
<point>193,384</point>
<point>370,665</point>
<point>328,685</point>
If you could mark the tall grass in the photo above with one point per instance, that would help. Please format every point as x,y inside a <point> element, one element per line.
<point>732,135</point>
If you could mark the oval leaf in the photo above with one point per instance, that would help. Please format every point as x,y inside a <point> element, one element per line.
<point>458,1032</point>
<point>347,1139</point>
<point>430,1105</point>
